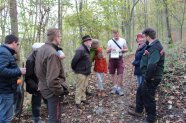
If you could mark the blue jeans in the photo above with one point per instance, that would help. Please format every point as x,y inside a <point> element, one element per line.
<point>100,80</point>
<point>54,109</point>
<point>6,108</point>
<point>140,79</point>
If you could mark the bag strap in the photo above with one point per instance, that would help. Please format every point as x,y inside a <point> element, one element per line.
<point>116,44</point>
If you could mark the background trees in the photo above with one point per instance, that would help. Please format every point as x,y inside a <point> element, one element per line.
<point>97,18</point>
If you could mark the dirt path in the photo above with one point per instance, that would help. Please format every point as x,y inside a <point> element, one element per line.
<point>113,108</point>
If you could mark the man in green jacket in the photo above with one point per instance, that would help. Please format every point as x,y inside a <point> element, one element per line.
<point>152,66</point>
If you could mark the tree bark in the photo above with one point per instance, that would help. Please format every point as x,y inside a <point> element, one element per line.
<point>170,41</point>
<point>14,22</point>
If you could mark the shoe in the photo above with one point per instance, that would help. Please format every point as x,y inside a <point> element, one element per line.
<point>132,112</point>
<point>88,93</point>
<point>85,102</point>
<point>114,90</point>
<point>133,106</point>
<point>103,94</point>
<point>38,121</point>
<point>78,106</point>
<point>120,92</point>
<point>151,119</point>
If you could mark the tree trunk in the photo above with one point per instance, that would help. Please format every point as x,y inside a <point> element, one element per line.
<point>60,18</point>
<point>145,14</point>
<point>78,10</point>
<point>14,22</point>
<point>170,41</point>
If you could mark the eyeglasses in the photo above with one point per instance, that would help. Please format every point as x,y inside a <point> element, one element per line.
<point>17,44</point>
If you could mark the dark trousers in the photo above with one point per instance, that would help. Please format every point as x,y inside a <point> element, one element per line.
<point>54,109</point>
<point>145,98</point>
<point>36,105</point>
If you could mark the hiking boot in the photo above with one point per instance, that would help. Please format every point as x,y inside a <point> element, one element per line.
<point>85,102</point>
<point>98,92</point>
<point>37,120</point>
<point>88,93</point>
<point>133,106</point>
<point>103,94</point>
<point>133,113</point>
<point>120,92</point>
<point>114,90</point>
<point>78,106</point>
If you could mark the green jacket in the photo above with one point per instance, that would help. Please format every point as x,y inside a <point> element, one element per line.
<point>152,63</point>
<point>92,54</point>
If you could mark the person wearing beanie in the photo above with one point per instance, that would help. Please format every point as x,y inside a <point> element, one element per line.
<point>81,65</point>
<point>32,84</point>
<point>138,55</point>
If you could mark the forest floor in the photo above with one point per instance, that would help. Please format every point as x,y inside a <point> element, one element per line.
<point>171,101</point>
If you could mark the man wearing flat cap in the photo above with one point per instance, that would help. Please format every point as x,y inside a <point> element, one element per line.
<point>81,65</point>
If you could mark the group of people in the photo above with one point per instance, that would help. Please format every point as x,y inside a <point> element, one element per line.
<point>45,78</point>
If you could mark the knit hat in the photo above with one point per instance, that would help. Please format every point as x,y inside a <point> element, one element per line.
<point>139,36</point>
<point>86,38</point>
<point>37,45</point>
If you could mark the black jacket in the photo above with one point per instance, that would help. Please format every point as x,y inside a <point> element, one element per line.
<point>81,62</point>
<point>136,62</point>
<point>30,77</point>
<point>9,70</point>
<point>152,64</point>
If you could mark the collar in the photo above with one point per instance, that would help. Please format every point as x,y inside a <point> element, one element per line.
<point>86,48</point>
<point>53,45</point>
<point>9,49</point>
<point>155,41</point>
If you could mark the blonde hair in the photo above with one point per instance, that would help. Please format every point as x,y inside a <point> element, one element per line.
<point>52,33</point>
<point>95,43</point>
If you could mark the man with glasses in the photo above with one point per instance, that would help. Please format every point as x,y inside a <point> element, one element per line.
<point>9,73</point>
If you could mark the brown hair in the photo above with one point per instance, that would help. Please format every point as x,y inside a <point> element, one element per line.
<point>115,31</point>
<point>95,43</point>
<point>52,33</point>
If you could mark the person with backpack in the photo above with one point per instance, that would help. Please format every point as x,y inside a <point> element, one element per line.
<point>152,67</point>
<point>32,84</point>
<point>116,47</point>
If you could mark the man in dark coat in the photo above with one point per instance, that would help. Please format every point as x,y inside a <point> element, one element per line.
<point>152,66</point>
<point>81,65</point>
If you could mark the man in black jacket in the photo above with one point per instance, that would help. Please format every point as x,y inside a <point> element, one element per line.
<point>32,84</point>
<point>81,65</point>
<point>9,73</point>
<point>152,66</point>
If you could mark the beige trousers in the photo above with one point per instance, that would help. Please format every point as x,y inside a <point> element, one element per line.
<point>82,83</point>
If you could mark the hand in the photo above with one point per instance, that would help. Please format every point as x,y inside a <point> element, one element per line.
<point>23,71</point>
<point>109,50</point>
<point>146,52</point>
<point>61,56</point>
